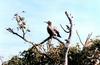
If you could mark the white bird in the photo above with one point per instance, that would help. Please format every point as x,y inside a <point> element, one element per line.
<point>20,21</point>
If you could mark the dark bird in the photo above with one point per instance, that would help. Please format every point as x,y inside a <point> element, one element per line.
<point>52,31</point>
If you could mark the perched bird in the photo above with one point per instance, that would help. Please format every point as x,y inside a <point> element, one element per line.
<point>51,30</point>
<point>20,21</point>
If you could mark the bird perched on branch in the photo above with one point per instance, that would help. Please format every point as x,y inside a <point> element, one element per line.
<point>21,22</point>
<point>51,30</point>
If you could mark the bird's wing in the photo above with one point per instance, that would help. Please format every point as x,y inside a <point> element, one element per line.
<point>57,32</point>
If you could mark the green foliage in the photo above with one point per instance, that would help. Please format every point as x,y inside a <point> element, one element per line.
<point>96,44</point>
<point>56,56</point>
<point>15,61</point>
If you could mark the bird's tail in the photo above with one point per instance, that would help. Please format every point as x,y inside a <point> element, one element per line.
<point>57,32</point>
<point>59,35</point>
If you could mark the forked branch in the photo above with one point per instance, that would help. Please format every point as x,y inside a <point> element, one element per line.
<point>79,38</point>
<point>64,29</point>
<point>11,31</point>
<point>69,32</point>
<point>50,38</point>
<point>69,28</point>
<point>88,37</point>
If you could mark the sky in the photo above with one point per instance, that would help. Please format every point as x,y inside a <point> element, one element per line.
<point>85,14</point>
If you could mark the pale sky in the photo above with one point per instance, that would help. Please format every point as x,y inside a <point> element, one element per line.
<point>85,12</point>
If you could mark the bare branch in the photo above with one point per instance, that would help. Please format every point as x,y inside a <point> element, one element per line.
<point>79,38</point>
<point>11,31</point>
<point>66,56</point>
<point>58,39</point>
<point>64,29</point>
<point>69,37</point>
<point>50,38</point>
<point>70,28</point>
<point>68,17</point>
<point>88,37</point>
<point>23,33</point>
<point>45,40</point>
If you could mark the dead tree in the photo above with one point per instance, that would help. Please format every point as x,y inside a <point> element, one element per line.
<point>34,46</point>
<point>69,32</point>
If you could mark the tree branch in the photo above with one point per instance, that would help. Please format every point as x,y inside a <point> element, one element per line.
<point>69,37</point>
<point>68,17</point>
<point>45,40</point>
<point>70,28</point>
<point>64,29</point>
<point>79,38</point>
<point>50,38</point>
<point>88,37</point>
<point>58,40</point>
<point>11,31</point>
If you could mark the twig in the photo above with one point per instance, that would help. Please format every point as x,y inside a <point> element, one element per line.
<point>64,29</point>
<point>68,17</point>
<point>58,39</point>
<point>70,28</point>
<point>11,31</point>
<point>50,38</point>
<point>79,38</point>
<point>23,33</point>
<point>88,37</point>
<point>45,40</point>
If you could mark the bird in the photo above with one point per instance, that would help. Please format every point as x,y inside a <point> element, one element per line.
<point>51,30</point>
<point>21,22</point>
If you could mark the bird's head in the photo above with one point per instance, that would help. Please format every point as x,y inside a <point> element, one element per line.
<point>49,22</point>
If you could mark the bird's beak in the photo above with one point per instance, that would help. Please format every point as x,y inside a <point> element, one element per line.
<point>45,22</point>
